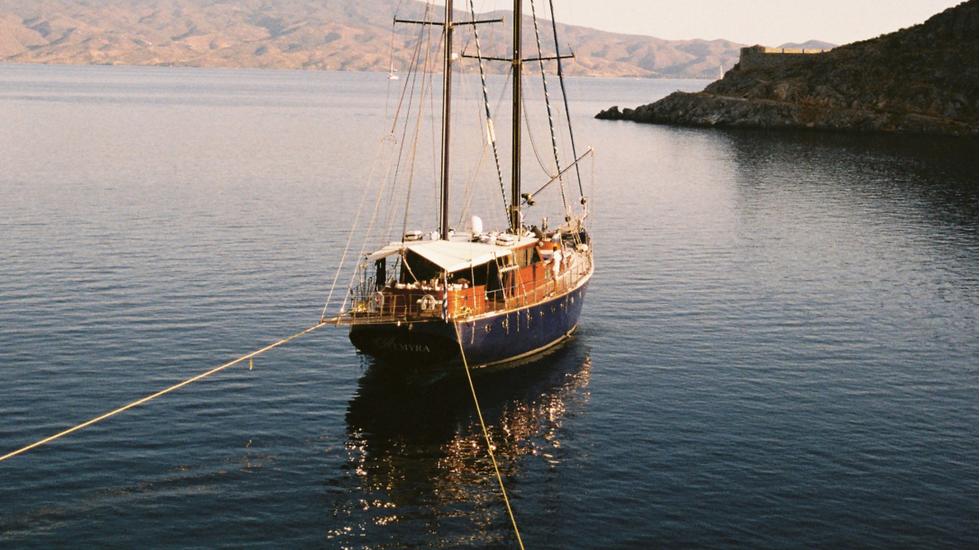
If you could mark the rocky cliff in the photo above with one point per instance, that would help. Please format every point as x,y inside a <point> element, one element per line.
<point>917,80</point>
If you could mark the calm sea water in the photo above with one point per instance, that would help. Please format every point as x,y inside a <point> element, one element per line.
<point>779,348</point>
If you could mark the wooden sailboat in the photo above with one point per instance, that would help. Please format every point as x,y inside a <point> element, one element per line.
<point>496,296</point>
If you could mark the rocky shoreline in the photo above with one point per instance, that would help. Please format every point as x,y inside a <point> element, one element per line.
<point>921,80</point>
<point>707,110</point>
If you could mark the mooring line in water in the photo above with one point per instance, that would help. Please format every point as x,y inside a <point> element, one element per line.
<point>138,402</point>
<point>486,436</point>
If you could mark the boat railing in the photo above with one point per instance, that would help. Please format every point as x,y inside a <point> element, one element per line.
<point>393,303</point>
<point>389,304</point>
<point>577,268</point>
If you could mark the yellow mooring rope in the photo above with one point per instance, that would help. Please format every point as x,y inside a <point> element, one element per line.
<point>162,392</point>
<point>486,436</point>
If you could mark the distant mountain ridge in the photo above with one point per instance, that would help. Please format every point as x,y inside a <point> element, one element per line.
<point>305,34</point>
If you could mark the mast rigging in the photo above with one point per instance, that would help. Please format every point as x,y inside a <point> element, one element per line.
<point>564,97</point>
<point>551,120</point>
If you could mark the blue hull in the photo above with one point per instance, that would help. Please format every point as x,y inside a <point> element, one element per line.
<point>487,340</point>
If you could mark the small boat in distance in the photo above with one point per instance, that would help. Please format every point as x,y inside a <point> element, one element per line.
<point>495,295</point>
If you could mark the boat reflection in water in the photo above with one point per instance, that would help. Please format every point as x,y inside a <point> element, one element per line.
<point>418,470</point>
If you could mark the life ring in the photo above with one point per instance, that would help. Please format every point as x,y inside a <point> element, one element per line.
<point>428,302</point>
<point>379,301</point>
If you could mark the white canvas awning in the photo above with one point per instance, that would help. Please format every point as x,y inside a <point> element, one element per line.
<point>390,250</point>
<point>448,255</point>
<point>456,256</point>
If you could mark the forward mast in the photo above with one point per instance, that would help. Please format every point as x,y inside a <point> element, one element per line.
<point>516,61</point>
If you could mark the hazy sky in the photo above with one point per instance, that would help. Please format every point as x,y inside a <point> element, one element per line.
<point>768,22</point>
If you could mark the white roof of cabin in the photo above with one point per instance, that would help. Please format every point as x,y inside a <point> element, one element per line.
<point>451,255</point>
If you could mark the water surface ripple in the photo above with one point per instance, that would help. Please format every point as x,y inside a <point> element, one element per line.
<point>779,347</point>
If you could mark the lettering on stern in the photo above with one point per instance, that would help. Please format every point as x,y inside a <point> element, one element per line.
<point>392,343</point>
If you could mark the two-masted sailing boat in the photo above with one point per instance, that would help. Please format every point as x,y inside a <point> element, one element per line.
<point>495,296</point>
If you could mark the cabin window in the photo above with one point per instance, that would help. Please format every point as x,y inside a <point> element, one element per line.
<point>380,273</point>
<point>485,274</point>
<point>526,256</point>
<point>422,269</point>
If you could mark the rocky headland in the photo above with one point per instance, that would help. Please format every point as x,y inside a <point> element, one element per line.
<point>920,80</point>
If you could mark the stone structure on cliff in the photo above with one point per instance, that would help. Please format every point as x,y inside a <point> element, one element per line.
<point>920,80</point>
<point>756,57</point>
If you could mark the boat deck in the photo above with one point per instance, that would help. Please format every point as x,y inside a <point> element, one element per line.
<point>422,301</point>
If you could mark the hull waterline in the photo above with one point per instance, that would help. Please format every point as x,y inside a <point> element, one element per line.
<point>487,340</point>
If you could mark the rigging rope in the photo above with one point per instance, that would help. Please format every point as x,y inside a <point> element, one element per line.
<point>434,135</point>
<point>547,102</point>
<point>469,184</point>
<point>353,229</point>
<point>486,105</point>
<point>564,97</point>
<point>411,67</point>
<point>391,61</point>
<point>374,215</point>
<point>412,73</point>
<point>486,436</point>
<point>418,130</point>
<point>530,136</point>
<point>413,76</point>
<point>151,397</point>
<point>468,190</point>
<point>393,168</point>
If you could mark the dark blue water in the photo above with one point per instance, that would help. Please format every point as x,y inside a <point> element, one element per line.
<point>779,348</point>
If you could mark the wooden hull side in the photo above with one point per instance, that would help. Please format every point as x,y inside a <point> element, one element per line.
<point>488,339</point>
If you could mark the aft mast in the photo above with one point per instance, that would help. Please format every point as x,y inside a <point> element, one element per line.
<point>447,88</point>
<point>515,170</point>
<point>447,84</point>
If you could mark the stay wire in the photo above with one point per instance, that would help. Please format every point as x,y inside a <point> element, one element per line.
<point>469,183</point>
<point>547,102</point>
<point>530,137</point>
<point>564,97</point>
<point>418,130</point>
<point>409,83</point>
<point>353,229</point>
<point>391,60</point>
<point>391,166</point>
<point>411,67</point>
<point>491,135</point>
<point>468,191</point>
